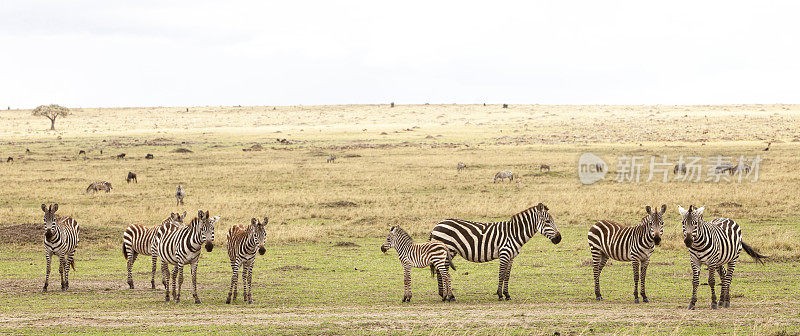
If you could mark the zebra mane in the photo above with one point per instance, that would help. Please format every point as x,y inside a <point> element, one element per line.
<point>400,233</point>
<point>519,217</point>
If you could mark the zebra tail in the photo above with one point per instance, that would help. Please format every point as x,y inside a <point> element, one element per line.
<point>432,271</point>
<point>124,251</point>
<point>752,253</point>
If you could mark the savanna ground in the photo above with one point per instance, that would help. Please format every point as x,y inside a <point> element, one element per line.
<point>323,272</point>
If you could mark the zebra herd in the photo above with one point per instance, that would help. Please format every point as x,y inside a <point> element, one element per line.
<point>715,244</point>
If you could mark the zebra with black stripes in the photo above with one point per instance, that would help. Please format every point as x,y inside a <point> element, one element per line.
<point>139,239</point>
<point>609,240</point>
<point>61,237</point>
<point>431,253</point>
<point>181,245</point>
<point>482,242</point>
<point>715,244</point>
<point>242,246</point>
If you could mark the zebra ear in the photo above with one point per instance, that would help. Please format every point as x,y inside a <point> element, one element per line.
<point>647,208</point>
<point>44,207</point>
<point>699,211</point>
<point>542,207</point>
<point>682,211</point>
<point>200,214</point>
<point>266,220</point>
<point>207,215</point>
<point>253,221</point>
<point>663,208</point>
<point>55,207</point>
<point>184,215</point>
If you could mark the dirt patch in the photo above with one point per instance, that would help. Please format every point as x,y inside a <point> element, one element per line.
<point>288,268</point>
<point>183,150</point>
<point>29,233</point>
<point>254,148</point>
<point>346,244</point>
<point>338,204</point>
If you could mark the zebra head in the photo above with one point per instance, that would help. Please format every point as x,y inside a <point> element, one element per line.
<point>541,220</point>
<point>177,218</point>
<point>259,234</point>
<point>389,243</point>
<point>206,224</point>
<point>654,221</point>
<point>50,219</point>
<point>692,219</point>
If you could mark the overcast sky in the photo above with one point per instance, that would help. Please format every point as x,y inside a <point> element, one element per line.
<point>175,53</point>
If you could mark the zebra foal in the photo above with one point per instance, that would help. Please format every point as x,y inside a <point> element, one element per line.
<point>61,239</point>
<point>626,243</point>
<point>242,245</point>
<point>139,239</point>
<point>180,246</point>
<point>715,244</point>
<point>432,253</point>
<point>482,242</point>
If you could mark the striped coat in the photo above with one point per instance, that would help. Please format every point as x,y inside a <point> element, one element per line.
<point>714,244</point>
<point>634,243</point>
<point>482,242</point>
<point>432,253</point>
<point>61,237</point>
<point>139,239</point>
<point>180,246</point>
<point>242,246</point>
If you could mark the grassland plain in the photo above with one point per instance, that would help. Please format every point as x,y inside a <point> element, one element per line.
<point>323,272</point>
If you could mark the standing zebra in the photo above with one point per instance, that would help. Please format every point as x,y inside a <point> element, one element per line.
<point>482,242</point>
<point>634,243</point>
<point>431,253</point>
<point>181,245</point>
<point>139,239</point>
<point>507,174</point>
<point>61,239</point>
<point>715,244</point>
<point>179,195</point>
<point>461,166</point>
<point>242,244</point>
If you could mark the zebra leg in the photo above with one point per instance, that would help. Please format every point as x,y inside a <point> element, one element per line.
<point>695,283</point>
<point>235,267</point>
<point>507,278</point>
<point>165,279</point>
<point>406,283</point>
<point>62,263</point>
<point>131,260</point>
<point>440,283</point>
<point>726,284</point>
<point>250,280</point>
<point>446,283</point>
<point>644,264</point>
<point>711,284</point>
<point>635,281</point>
<point>598,262</point>
<point>175,284</point>
<point>69,261</point>
<point>194,282</point>
<point>152,274</point>
<point>48,257</point>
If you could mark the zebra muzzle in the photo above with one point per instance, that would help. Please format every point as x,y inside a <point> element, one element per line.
<point>687,241</point>
<point>556,239</point>
<point>384,248</point>
<point>657,239</point>
<point>261,250</point>
<point>209,247</point>
<point>48,234</point>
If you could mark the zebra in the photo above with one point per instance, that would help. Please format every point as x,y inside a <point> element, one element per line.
<point>461,166</point>
<point>242,246</point>
<point>482,242</point>
<point>741,168</point>
<point>431,253</point>
<point>608,239</point>
<point>139,239</point>
<point>544,167</point>
<point>97,186</point>
<point>715,244</point>
<point>331,159</point>
<point>723,168</point>
<point>179,195</point>
<point>61,237</point>
<point>131,177</point>
<point>507,174</point>
<point>679,168</point>
<point>181,245</point>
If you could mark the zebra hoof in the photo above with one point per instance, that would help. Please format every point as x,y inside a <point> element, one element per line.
<point>645,300</point>
<point>166,299</point>
<point>691,307</point>
<point>636,300</point>
<point>727,305</point>
<point>228,301</point>
<point>713,306</point>
<point>196,301</point>
<point>599,298</point>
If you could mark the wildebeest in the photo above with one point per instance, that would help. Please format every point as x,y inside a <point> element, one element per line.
<point>766,149</point>
<point>505,105</point>
<point>27,151</point>
<point>179,195</point>
<point>461,166</point>
<point>507,174</point>
<point>131,177</point>
<point>544,167</point>
<point>679,168</point>
<point>121,156</point>
<point>741,168</point>
<point>331,158</point>
<point>82,152</point>
<point>149,156</point>
<point>10,159</point>
<point>97,186</point>
<point>723,168</point>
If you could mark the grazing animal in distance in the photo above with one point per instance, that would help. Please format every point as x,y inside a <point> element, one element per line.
<point>82,152</point>
<point>482,242</point>
<point>331,159</point>
<point>723,169</point>
<point>507,174</point>
<point>139,239</point>
<point>431,253</point>
<point>179,195</point>
<point>180,246</point>
<point>242,246</point>
<point>131,177</point>
<point>27,151</point>
<point>149,156</point>
<point>544,167</point>
<point>10,159</point>
<point>61,237</point>
<point>766,149</point>
<point>679,168</point>
<point>98,186</point>
<point>121,156</point>
<point>461,166</point>
<point>609,240</point>
<point>715,244</point>
<point>743,168</point>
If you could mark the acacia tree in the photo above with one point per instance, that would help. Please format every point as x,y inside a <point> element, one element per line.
<point>52,112</point>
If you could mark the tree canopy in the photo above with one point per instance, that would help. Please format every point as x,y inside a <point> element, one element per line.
<point>52,112</point>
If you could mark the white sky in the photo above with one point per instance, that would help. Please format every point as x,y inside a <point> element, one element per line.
<point>187,53</point>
